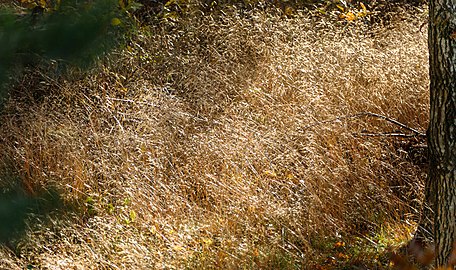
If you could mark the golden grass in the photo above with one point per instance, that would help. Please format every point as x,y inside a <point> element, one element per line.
<point>198,146</point>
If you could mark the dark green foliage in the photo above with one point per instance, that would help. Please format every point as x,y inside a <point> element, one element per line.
<point>13,210</point>
<point>75,34</point>
<point>16,206</point>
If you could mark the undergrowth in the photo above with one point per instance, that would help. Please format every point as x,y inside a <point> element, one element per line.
<point>219,142</point>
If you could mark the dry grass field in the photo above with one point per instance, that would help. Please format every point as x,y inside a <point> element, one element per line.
<point>226,142</point>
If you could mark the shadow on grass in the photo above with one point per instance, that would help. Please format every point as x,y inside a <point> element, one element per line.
<point>17,209</point>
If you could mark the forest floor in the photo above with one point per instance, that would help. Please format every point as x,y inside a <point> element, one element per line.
<point>246,140</point>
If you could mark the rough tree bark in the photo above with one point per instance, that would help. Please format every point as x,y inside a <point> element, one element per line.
<point>441,185</point>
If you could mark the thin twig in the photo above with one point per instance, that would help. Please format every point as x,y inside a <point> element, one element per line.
<point>400,135</point>
<point>417,132</point>
<point>363,114</point>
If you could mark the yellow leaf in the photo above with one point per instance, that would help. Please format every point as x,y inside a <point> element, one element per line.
<point>349,16</point>
<point>364,12</point>
<point>322,11</point>
<point>132,215</point>
<point>115,21</point>
<point>341,8</point>
<point>270,173</point>
<point>207,241</point>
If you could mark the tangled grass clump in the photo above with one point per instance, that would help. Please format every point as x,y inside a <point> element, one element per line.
<point>220,142</point>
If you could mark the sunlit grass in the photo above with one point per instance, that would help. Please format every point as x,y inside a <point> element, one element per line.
<point>203,144</point>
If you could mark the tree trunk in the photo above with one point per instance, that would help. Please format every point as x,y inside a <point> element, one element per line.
<point>442,127</point>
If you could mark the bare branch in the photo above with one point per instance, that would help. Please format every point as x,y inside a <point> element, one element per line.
<point>369,114</point>
<point>400,135</point>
